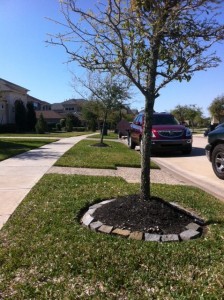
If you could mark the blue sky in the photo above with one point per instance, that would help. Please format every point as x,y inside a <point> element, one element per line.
<point>26,60</point>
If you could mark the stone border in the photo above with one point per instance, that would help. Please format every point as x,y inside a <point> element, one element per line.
<point>193,230</point>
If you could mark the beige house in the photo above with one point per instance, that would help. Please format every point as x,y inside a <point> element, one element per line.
<point>73,106</point>
<point>9,93</point>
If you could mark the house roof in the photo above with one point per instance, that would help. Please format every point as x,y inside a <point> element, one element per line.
<point>9,86</point>
<point>31,98</point>
<point>74,101</point>
<point>48,114</point>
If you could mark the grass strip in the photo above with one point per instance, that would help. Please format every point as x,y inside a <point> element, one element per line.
<point>85,155</point>
<point>46,254</point>
<point>12,147</point>
<point>47,134</point>
<point>110,135</point>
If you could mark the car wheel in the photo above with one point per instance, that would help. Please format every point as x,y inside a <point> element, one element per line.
<point>218,161</point>
<point>132,144</point>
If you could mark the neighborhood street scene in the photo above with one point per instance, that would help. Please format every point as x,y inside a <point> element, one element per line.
<point>112,150</point>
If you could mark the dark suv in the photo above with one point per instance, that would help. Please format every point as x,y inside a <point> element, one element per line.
<point>215,150</point>
<point>167,134</point>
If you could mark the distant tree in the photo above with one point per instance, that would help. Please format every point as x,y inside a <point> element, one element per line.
<point>216,108</point>
<point>187,113</point>
<point>150,42</point>
<point>192,113</point>
<point>76,121</point>
<point>90,116</point>
<point>20,115</point>
<point>180,113</point>
<point>41,125</point>
<point>107,93</point>
<point>69,123</point>
<point>92,113</point>
<point>31,118</point>
<point>62,123</point>
<point>110,92</point>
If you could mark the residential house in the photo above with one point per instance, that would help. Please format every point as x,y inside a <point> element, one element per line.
<point>73,106</point>
<point>50,116</point>
<point>9,94</point>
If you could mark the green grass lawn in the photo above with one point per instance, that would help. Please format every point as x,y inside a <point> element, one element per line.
<point>12,147</point>
<point>46,254</point>
<point>110,135</point>
<point>84,155</point>
<point>45,135</point>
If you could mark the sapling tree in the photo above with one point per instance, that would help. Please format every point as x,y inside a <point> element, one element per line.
<point>150,42</point>
<point>108,92</point>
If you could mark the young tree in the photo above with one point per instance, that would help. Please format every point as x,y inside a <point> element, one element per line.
<point>30,116</point>
<point>107,92</point>
<point>111,93</point>
<point>69,122</point>
<point>216,108</point>
<point>41,125</point>
<point>151,42</point>
<point>91,113</point>
<point>20,115</point>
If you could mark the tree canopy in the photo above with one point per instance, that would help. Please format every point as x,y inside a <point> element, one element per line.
<point>189,113</point>
<point>216,108</point>
<point>150,42</point>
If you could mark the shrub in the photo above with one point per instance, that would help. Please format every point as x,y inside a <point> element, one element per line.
<point>7,128</point>
<point>79,129</point>
<point>58,126</point>
<point>41,125</point>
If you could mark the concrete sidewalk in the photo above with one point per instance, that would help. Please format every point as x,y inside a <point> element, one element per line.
<point>20,173</point>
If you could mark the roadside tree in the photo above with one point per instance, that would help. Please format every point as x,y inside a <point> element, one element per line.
<point>216,108</point>
<point>107,93</point>
<point>91,113</point>
<point>149,42</point>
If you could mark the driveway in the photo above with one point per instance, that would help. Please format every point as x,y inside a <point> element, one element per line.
<point>194,168</point>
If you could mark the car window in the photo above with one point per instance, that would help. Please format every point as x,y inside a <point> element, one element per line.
<point>164,120</point>
<point>138,119</point>
<point>135,120</point>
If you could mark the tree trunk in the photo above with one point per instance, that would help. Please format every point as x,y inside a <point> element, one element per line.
<point>150,97</point>
<point>103,127</point>
<point>146,149</point>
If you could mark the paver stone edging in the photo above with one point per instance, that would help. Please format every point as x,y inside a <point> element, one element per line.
<point>193,229</point>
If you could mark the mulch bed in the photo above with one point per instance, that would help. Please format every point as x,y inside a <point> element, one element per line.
<point>154,216</point>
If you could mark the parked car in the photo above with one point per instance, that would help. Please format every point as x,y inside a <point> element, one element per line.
<point>210,128</point>
<point>167,134</point>
<point>215,150</point>
<point>123,128</point>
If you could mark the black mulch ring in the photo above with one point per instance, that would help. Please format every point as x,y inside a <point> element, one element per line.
<point>154,216</point>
